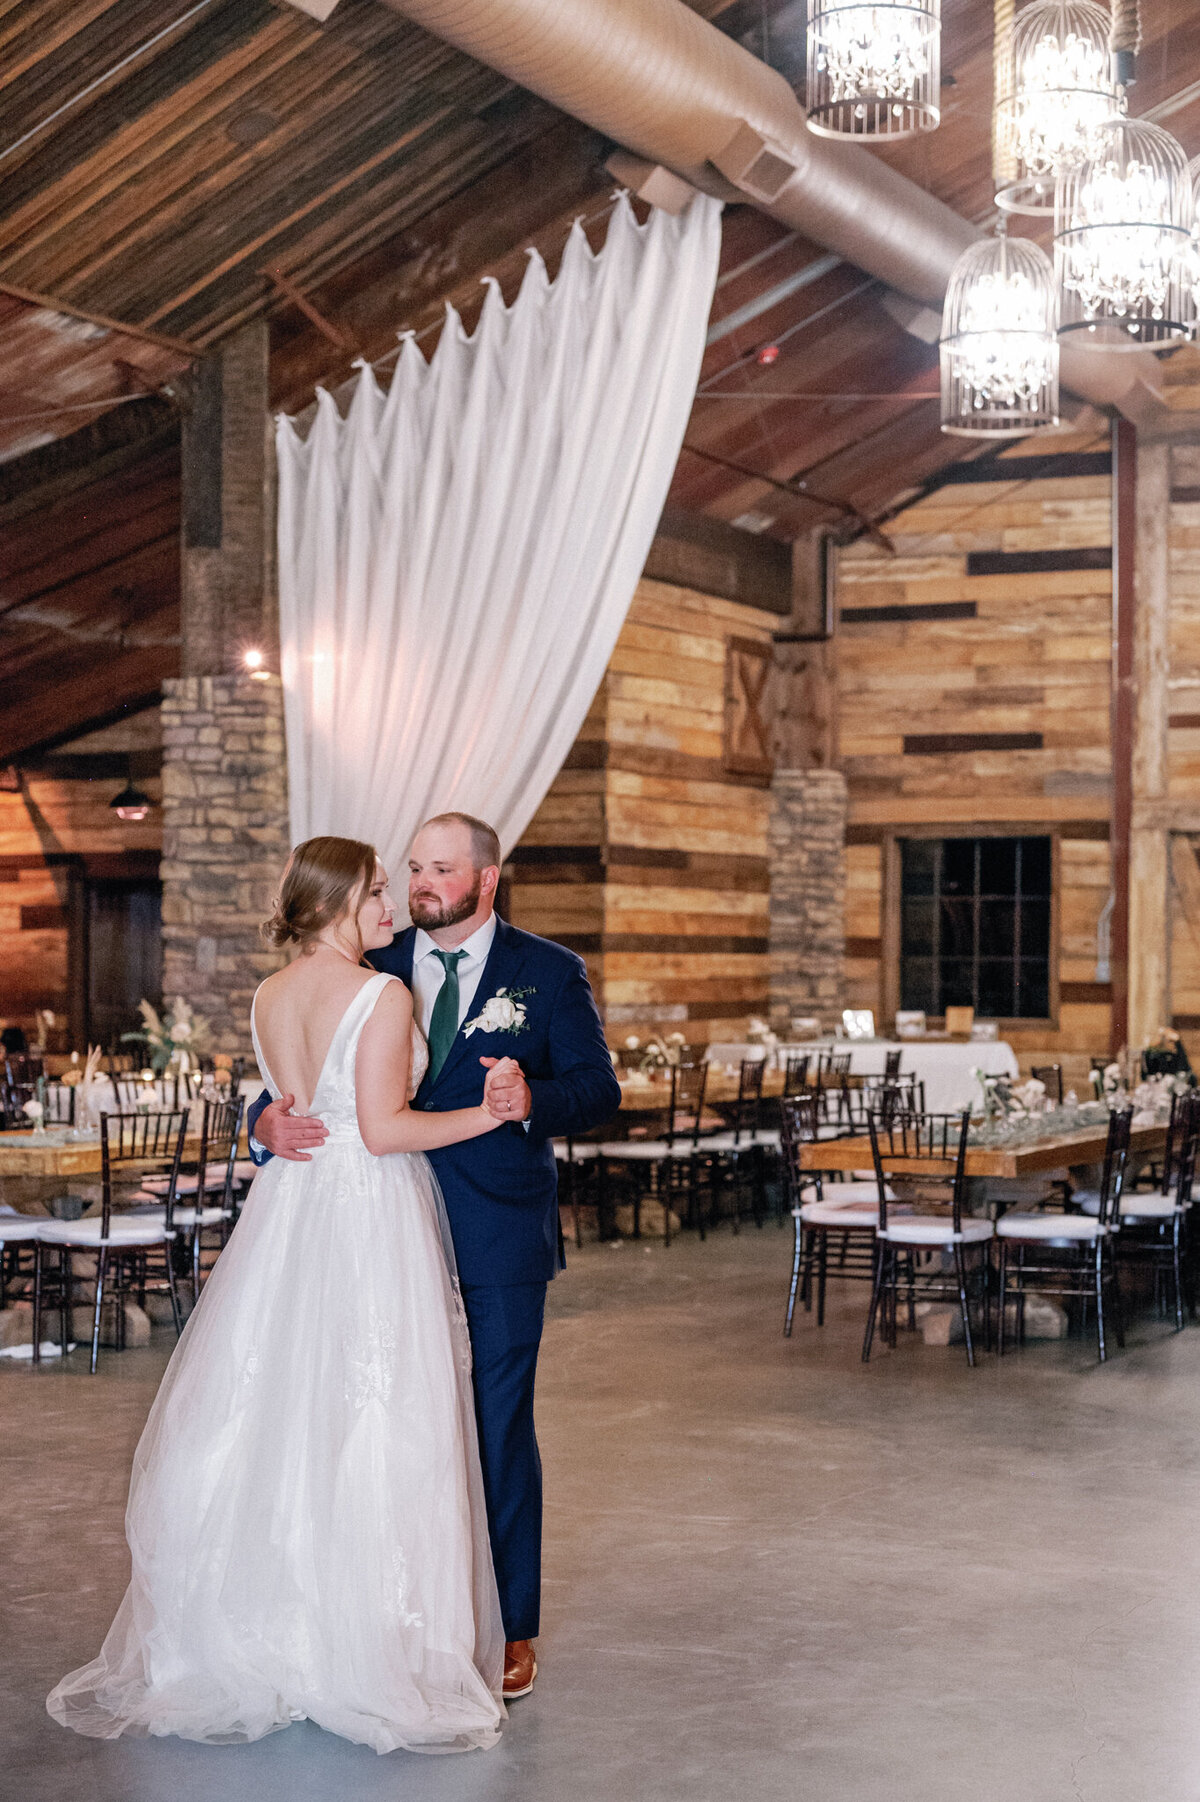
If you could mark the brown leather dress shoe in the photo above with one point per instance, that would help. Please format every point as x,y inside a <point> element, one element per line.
<point>520,1668</point>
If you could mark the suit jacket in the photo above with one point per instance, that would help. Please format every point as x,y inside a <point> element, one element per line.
<point>501,1190</point>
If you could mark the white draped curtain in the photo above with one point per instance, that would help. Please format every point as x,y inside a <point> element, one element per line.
<point>457,555</point>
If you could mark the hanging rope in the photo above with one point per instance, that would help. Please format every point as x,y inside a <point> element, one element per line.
<point>1125,38</point>
<point>1004,157</point>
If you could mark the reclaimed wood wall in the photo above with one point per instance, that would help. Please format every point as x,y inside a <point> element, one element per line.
<point>649,854</point>
<point>973,673</point>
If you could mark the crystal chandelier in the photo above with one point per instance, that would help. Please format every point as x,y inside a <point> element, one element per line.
<point>1056,91</point>
<point>1123,223</point>
<point>999,349</point>
<point>874,70</point>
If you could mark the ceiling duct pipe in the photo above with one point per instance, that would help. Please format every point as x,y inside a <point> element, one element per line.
<point>661,81</point>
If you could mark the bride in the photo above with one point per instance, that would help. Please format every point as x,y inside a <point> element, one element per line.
<point>306,1514</point>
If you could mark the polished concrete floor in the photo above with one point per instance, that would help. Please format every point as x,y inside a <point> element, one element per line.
<point>772,1573</point>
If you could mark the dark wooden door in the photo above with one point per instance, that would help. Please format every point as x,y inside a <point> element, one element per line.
<point>124,954</point>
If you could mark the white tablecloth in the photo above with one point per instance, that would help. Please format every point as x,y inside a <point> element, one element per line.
<point>943,1065</point>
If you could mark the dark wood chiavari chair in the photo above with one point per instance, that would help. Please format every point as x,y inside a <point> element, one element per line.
<point>849,1210</point>
<point>795,1074</point>
<point>126,1246</point>
<point>1070,1255</point>
<point>671,1163</point>
<point>204,1194</point>
<point>932,1147</point>
<point>739,1155</point>
<point>1153,1229</point>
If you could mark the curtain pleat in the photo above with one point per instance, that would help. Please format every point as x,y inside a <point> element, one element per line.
<point>457,556</point>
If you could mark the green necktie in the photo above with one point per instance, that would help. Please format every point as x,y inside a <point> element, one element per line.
<point>443,1021</point>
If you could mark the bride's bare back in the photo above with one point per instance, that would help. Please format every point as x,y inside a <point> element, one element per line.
<point>296,1015</point>
<point>297,1012</point>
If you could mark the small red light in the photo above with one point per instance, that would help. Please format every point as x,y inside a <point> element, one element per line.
<point>767,355</point>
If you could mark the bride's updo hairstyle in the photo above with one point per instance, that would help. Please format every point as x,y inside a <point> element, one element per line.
<point>326,879</point>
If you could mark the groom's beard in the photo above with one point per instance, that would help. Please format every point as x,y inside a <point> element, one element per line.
<point>432,915</point>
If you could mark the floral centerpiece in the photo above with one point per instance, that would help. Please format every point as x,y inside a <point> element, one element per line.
<point>177,1038</point>
<point>657,1054</point>
<point>759,1033</point>
<point>1004,1099</point>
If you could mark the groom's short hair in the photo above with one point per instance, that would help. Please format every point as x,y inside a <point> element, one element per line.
<point>485,841</point>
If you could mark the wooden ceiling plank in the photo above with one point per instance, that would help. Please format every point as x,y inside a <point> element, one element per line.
<point>404,280</point>
<point>257,245</point>
<point>86,134</point>
<point>122,169</point>
<point>266,226</point>
<point>38,714</point>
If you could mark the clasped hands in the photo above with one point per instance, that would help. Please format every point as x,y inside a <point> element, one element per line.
<point>295,1137</point>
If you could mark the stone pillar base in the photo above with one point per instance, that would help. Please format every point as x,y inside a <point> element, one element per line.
<point>808,896</point>
<point>225,842</point>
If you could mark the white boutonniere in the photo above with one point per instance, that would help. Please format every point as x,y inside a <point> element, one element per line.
<point>504,1012</point>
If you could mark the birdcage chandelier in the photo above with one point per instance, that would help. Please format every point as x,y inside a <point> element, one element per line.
<point>999,347</point>
<point>874,69</point>
<point>1056,91</point>
<point>1123,227</point>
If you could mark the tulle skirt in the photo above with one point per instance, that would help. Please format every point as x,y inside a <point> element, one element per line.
<point>306,1516</point>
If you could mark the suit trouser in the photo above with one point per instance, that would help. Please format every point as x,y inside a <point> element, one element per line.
<point>506,1330</point>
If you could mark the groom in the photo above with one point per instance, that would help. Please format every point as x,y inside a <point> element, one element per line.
<point>483,991</point>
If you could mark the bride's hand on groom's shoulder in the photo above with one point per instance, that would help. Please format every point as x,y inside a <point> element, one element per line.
<point>505,1091</point>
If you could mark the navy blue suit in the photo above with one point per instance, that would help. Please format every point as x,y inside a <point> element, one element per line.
<point>501,1197</point>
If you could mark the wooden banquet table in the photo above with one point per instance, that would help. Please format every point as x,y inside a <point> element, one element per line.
<point>33,1169</point>
<point>1085,1146</point>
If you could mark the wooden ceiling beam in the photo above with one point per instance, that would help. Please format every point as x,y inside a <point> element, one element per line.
<point>70,310</point>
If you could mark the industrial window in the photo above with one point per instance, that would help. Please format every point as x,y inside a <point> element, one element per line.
<point>975,925</point>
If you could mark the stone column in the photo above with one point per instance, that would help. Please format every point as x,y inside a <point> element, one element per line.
<point>225,839</point>
<point>225,816</point>
<point>808,895</point>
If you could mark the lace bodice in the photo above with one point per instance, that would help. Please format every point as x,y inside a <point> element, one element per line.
<point>334,1098</point>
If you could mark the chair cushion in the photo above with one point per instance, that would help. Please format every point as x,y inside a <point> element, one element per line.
<point>208,1216</point>
<point>23,1230</point>
<point>853,1195</point>
<point>1049,1226</point>
<point>244,1170</point>
<point>578,1154</point>
<point>1146,1207</point>
<point>842,1217</point>
<point>928,1229</point>
<point>122,1230</point>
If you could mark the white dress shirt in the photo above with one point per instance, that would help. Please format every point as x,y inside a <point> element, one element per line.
<point>429,972</point>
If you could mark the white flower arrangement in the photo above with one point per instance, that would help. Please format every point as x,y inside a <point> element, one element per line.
<point>179,1036</point>
<point>657,1053</point>
<point>759,1033</point>
<point>502,1012</point>
<point>33,1110</point>
<point>1004,1099</point>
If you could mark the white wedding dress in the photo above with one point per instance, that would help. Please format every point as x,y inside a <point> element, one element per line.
<point>306,1513</point>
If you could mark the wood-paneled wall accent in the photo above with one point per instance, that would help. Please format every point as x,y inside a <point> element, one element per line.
<point>999,683</point>
<point>1149,850</point>
<point>50,832</point>
<point>648,856</point>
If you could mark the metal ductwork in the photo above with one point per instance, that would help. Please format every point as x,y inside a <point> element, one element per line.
<point>661,81</point>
